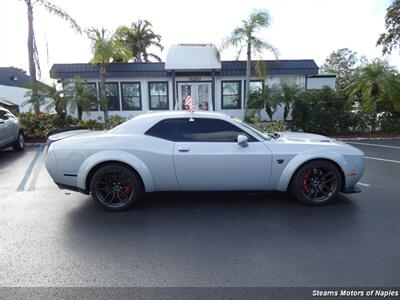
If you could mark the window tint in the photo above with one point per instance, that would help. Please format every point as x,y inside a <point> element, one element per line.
<point>165,129</point>
<point>199,130</point>
<point>210,130</point>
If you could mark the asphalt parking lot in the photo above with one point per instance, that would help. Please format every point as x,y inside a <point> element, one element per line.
<point>50,237</point>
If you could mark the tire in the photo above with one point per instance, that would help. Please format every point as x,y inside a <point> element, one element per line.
<point>115,187</point>
<point>316,182</point>
<point>19,144</point>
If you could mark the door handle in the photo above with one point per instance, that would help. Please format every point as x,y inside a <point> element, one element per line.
<point>183,149</point>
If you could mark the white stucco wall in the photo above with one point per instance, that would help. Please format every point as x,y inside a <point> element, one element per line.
<point>270,80</point>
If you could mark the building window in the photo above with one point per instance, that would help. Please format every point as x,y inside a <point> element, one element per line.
<point>92,89</point>
<point>256,86</point>
<point>112,95</point>
<point>231,95</point>
<point>158,95</point>
<point>131,96</point>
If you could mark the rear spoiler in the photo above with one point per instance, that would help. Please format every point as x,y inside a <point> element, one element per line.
<point>59,134</point>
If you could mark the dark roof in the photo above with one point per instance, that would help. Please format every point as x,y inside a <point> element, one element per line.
<point>14,77</point>
<point>157,69</point>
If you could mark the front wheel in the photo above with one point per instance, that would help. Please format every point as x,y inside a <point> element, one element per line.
<point>316,182</point>
<point>19,144</point>
<point>115,187</point>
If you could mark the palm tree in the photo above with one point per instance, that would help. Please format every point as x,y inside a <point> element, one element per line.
<point>269,99</point>
<point>104,49</point>
<point>290,92</point>
<point>47,95</point>
<point>79,95</point>
<point>376,84</point>
<point>33,55</point>
<point>244,36</point>
<point>138,38</point>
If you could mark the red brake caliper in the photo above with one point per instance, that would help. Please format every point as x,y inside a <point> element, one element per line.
<point>128,190</point>
<point>305,179</point>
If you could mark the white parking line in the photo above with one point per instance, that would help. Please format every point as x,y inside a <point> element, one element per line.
<point>383,159</point>
<point>366,144</point>
<point>363,184</point>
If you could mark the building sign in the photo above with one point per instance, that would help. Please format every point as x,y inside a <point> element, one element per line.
<point>194,78</point>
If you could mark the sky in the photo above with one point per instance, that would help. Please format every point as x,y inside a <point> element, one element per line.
<point>300,29</point>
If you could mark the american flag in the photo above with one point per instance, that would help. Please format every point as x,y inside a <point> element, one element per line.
<point>189,102</point>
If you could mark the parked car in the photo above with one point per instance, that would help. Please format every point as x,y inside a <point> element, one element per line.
<point>204,151</point>
<point>10,131</point>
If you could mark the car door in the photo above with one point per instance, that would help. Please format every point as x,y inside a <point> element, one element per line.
<point>5,134</point>
<point>208,157</point>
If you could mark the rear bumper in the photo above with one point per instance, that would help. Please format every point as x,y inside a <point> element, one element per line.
<point>351,190</point>
<point>62,186</point>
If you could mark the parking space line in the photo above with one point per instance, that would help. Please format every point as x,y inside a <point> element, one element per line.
<point>383,159</point>
<point>363,184</point>
<point>28,172</point>
<point>375,145</point>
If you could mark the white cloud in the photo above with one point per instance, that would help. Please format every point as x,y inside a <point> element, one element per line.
<point>300,29</point>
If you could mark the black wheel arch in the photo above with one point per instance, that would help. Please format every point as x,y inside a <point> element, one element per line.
<point>110,162</point>
<point>342,176</point>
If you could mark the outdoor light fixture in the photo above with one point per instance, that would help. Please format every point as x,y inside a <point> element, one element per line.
<point>14,78</point>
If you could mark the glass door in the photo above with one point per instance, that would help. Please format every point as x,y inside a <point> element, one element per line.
<point>200,92</point>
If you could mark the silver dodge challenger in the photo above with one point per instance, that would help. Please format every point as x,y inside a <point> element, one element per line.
<point>201,151</point>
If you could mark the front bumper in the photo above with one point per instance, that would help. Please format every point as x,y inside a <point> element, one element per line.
<point>351,190</point>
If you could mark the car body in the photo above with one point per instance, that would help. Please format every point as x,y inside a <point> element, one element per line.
<point>201,151</point>
<point>11,134</point>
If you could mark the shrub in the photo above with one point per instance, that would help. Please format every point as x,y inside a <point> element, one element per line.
<point>115,120</point>
<point>91,124</point>
<point>322,111</point>
<point>390,122</point>
<point>37,126</point>
<point>275,126</point>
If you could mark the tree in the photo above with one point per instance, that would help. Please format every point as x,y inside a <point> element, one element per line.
<point>269,99</point>
<point>378,84</point>
<point>104,49</point>
<point>80,95</point>
<point>391,39</point>
<point>138,39</point>
<point>342,62</point>
<point>245,36</point>
<point>290,93</point>
<point>33,55</point>
<point>50,96</point>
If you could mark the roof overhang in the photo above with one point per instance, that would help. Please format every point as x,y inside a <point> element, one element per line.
<point>193,57</point>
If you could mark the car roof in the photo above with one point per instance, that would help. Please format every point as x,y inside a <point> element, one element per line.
<point>142,122</point>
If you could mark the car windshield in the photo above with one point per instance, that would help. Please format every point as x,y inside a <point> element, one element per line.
<point>254,129</point>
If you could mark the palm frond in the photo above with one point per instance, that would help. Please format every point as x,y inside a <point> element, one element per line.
<point>59,12</point>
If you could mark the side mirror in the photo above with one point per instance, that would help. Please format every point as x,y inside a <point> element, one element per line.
<point>242,140</point>
<point>1,121</point>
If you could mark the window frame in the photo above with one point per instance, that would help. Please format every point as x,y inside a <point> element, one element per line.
<point>119,96</point>
<point>97,94</point>
<point>122,95</point>
<point>239,106</point>
<point>149,94</point>
<point>176,137</point>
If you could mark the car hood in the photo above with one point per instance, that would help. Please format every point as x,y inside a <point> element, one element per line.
<point>300,137</point>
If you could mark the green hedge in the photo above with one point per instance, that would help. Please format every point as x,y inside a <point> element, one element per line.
<point>36,127</point>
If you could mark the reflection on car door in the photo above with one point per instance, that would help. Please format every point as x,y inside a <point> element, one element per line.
<point>208,157</point>
<point>5,131</point>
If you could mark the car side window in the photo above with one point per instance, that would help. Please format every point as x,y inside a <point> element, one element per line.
<point>166,129</point>
<point>4,115</point>
<point>210,130</point>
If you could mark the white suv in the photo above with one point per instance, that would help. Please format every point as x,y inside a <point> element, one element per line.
<point>11,134</point>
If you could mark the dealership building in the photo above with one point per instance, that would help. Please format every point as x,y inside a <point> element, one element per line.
<point>215,85</point>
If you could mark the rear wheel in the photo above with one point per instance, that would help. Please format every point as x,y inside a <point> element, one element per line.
<point>115,187</point>
<point>316,182</point>
<point>19,144</point>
